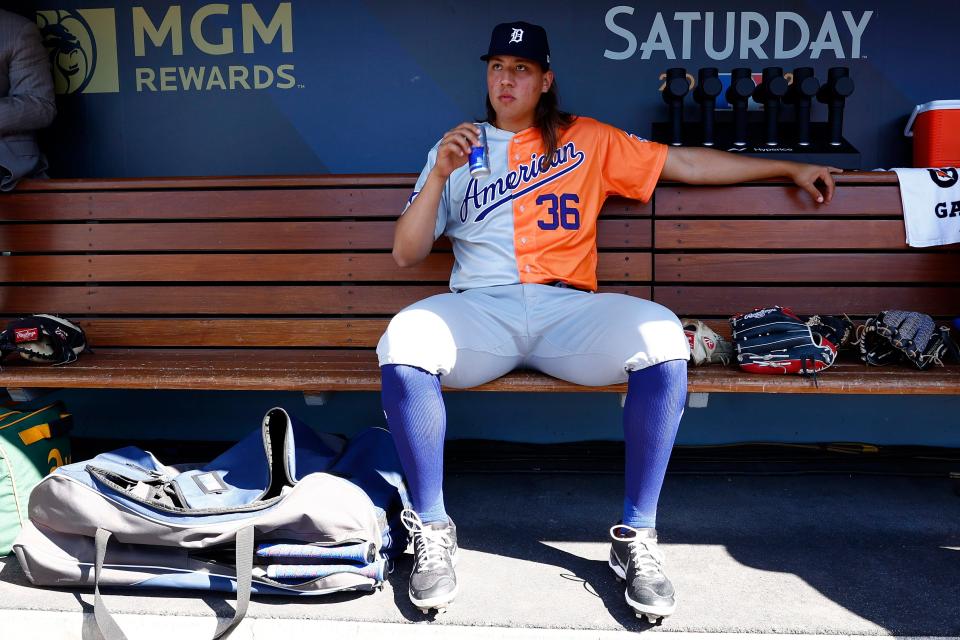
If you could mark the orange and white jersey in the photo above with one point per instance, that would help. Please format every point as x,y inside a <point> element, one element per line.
<point>534,218</point>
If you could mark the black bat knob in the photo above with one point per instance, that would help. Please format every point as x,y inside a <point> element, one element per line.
<point>674,90</point>
<point>738,94</point>
<point>769,93</point>
<point>834,93</point>
<point>800,94</point>
<point>708,88</point>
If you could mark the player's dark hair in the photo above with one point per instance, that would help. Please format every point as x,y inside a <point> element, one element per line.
<point>548,118</point>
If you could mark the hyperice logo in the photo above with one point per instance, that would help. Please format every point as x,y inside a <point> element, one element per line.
<point>82,44</point>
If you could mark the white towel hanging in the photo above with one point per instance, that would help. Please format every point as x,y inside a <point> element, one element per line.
<point>931,205</point>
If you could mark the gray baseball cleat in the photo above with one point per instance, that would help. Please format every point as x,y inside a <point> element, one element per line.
<point>636,559</point>
<point>433,582</point>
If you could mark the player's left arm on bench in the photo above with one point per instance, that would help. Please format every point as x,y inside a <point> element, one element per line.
<point>710,166</point>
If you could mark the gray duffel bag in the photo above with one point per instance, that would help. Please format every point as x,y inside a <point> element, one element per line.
<point>284,511</point>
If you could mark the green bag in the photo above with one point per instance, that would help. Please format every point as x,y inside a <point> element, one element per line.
<point>32,445</point>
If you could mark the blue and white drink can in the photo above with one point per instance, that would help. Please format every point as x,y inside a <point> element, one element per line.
<point>479,158</point>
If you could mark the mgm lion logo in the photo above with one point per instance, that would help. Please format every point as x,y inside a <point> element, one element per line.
<point>82,44</point>
<point>73,50</point>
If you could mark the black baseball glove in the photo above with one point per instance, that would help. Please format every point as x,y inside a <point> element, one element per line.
<point>895,336</point>
<point>838,330</point>
<point>43,338</point>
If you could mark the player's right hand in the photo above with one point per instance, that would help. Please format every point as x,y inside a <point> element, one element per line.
<point>454,149</point>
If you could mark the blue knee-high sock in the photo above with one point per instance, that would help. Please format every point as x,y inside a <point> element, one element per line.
<point>417,419</point>
<point>651,417</point>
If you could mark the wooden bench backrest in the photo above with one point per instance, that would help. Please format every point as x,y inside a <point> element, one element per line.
<point>305,261</point>
<point>723,250</point>
<point>242,262</point>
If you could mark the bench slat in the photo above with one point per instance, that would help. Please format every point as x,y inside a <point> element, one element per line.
<point>313,371</point>
<point>216,300</point>
<point>176,205</point>
<point>846,377</point>
<point>316,181</point>
<point>253,203</point>
<point>780,234</point>
<point>229,300</point>
<point>339,267</point>
<point>806,267</point>
<point>253,332</point>
<point>694,301</point>
<point>684,201</point>
<point>281,235</point>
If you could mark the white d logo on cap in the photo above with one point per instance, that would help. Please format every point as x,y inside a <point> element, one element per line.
<point>516,36</point>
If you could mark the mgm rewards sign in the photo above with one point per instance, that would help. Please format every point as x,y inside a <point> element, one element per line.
<point>222,41</point>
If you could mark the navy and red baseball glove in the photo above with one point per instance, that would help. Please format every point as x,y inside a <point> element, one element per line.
<point>776,340</point>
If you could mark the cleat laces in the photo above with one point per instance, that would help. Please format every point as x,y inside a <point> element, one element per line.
<point>644,552</point>
<point>431,546</point>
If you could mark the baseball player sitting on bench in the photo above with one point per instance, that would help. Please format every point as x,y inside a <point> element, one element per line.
<point>524,295</point>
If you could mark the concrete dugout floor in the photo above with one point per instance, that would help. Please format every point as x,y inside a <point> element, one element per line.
<point>826,555</point>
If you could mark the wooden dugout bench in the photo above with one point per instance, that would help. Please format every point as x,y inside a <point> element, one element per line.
<point>286,283</point>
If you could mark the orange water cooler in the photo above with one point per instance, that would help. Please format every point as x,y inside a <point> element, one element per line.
<point>935,129</point>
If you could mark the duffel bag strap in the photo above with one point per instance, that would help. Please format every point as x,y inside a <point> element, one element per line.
<point>244,563</point>
<point>108,626</point>
<point>244,566</point>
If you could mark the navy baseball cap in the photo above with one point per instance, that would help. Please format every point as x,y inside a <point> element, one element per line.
<point>520,39</point>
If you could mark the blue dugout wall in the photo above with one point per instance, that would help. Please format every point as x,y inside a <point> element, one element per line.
<point>159,88</point>
<point>164,88</point>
